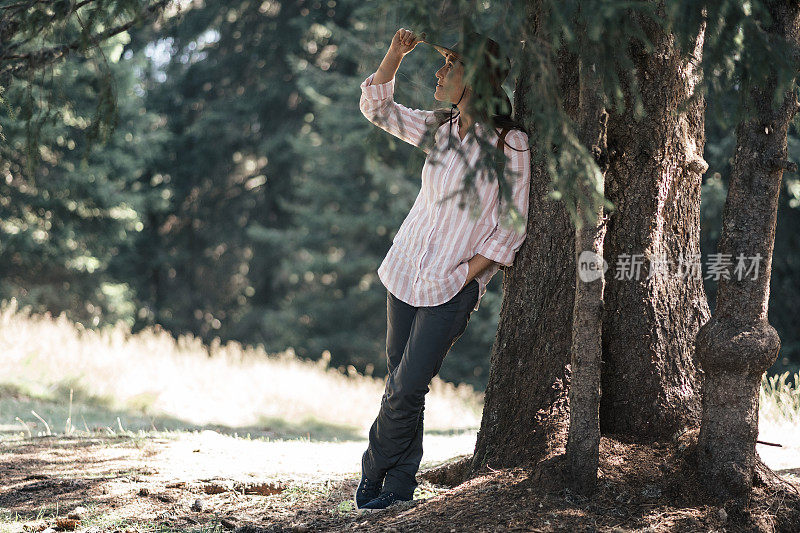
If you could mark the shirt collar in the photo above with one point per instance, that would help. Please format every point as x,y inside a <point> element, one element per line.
<point>480,130</point>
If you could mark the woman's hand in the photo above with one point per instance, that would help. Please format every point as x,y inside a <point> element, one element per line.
<point>476,266</point>
<point>469,275</point>
<point>404,41</point>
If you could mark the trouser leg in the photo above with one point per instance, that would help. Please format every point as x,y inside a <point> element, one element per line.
<point>399,319</point>
<point>397,448</point>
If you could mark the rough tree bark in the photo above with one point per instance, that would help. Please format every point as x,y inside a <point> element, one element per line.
<point>525,414</point>
<point>738,344</point>
<point>648,377</point>
<point>583,439</point>
<point>649,381</point>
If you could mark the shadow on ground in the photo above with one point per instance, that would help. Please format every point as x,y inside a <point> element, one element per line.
<point>94,413</point>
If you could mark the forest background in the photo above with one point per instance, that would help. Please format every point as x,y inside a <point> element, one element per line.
<point>241,195</point>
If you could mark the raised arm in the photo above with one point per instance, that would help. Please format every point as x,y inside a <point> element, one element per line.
<point>377,96</point>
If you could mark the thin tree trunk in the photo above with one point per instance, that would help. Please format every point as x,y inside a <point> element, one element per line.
<point>649,381</point>
<point>583,440</point>
<point>738,344</point>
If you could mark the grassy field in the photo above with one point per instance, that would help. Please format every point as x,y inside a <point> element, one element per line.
<point>152,381</point>
<point>128,416</point>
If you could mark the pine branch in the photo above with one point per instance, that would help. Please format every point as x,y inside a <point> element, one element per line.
<point>40,58</point>
<point>9,25</point>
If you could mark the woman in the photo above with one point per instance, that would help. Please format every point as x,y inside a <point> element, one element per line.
<point>441,257</point>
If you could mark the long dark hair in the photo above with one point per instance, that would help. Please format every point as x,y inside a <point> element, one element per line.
<point>501,118</point>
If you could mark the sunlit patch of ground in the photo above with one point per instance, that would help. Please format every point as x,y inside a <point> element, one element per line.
<point>202,481</point>
<point>154,480</point>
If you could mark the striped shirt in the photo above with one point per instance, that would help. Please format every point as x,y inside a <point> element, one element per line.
<point>427,262</point>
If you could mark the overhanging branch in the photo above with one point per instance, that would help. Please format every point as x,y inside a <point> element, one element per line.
<point>13,65</point>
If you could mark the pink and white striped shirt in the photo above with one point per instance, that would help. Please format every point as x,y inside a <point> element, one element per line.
<point>427,262</point>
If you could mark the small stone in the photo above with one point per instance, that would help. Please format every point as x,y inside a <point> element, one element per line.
<point>79,513</point>
<point>722,515</point>
<point>300,528</point>
<point>228,523</point>
<point>198,505</point>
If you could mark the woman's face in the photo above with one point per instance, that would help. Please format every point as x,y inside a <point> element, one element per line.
<point>450,81</point>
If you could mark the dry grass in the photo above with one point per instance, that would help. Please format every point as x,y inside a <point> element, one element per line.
<point>151,373</point>
<point>780,399</point>
<point>779,422</point>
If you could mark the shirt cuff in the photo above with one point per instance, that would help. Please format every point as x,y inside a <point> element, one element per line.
<point>378,91</point>
<point>497,251</point>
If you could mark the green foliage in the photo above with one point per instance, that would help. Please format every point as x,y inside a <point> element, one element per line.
<point>736,54</point>
<point>212,172</point>
<point>215,260</point>
<point>35,36</point>
<point>65,221</point>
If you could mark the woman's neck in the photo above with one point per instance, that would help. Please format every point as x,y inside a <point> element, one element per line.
<point>465,121</point>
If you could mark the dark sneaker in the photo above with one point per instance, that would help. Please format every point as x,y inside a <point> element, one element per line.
<point>384,500</point>
<point>367,491</point>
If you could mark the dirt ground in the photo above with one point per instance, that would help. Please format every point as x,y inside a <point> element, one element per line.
<point>173,483</point>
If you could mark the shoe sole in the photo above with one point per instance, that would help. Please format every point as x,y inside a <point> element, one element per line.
<point>367,509</point>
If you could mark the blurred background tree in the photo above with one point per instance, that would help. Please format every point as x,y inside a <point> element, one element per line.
<point>238,192</point>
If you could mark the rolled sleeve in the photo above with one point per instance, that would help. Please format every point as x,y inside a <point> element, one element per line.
<point>377,92</point>
<point>378,106</point>
<point>502,244</point>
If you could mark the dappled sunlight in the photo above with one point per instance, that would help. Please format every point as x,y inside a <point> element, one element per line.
<point>779,422</point>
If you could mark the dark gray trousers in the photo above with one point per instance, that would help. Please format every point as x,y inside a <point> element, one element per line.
<point>417,340</point>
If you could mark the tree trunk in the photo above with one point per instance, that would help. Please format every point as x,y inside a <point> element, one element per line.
<point>650,386</point>
<point>525,413</point>
<point>738,344</point>
<point>648,376</point>
<point>583,440</point>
